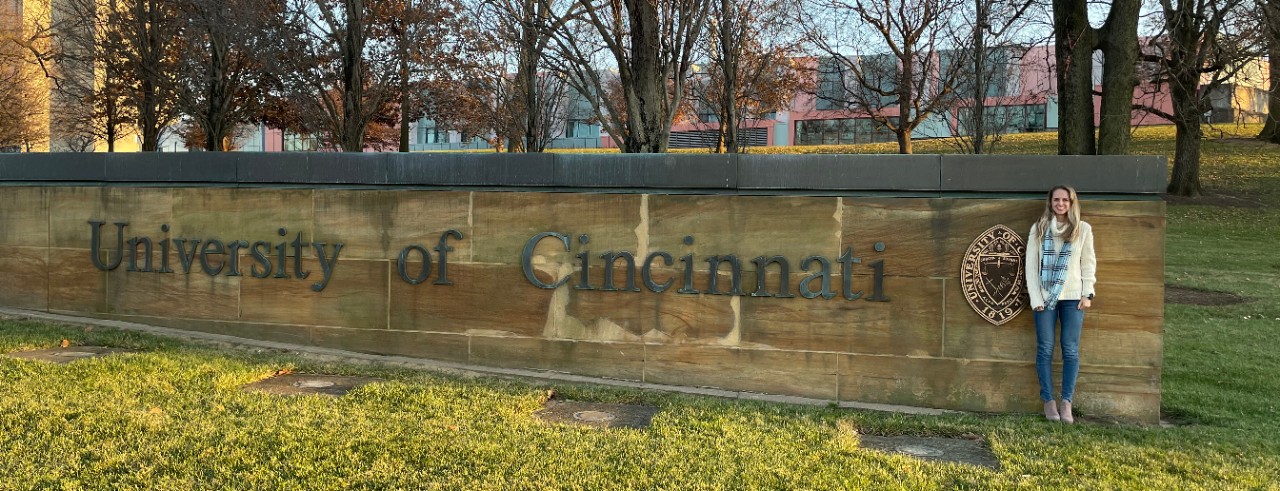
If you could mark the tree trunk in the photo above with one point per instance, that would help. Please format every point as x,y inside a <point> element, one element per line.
<point>732,133</point>
<point>404,120</point>
<point>404,92</point>
<point>1185,180</point>
<point>352,139</point>
<point>978,116</point>
<point>906,93</point>
<point>730,48</point>
<point>150,55</point>
<point>1073,49</point>
<point>1271,130</point>
<point>527,78</point>
<point>111,123</point>
<point>645,105</point>
<point>729,114</point>
<point>1119,43</point>
<point>215,135</point>
<point>729,117</point>
<point>215,127</point>
<point>904,140</point>
<point>1183,65</point>
<point>148,120</point>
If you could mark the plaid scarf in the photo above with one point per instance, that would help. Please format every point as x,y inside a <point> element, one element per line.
<point>1053,267</point>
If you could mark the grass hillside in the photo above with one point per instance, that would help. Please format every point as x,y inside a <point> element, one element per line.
<point>173,416</point>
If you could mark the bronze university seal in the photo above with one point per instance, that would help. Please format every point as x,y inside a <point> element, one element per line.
<point>991,274</point>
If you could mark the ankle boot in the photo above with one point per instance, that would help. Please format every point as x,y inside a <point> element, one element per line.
<point>1066,415</point>
<point>1051,411</point>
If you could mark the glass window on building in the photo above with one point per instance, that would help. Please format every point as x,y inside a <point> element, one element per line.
<point>831,132</point>
<point>1006,119</point>
<point>832,87</point>
<point>1036,118</point>
<point>805,133</point>
<point>848,130</point>
<point>294,142</point>
<point>864,131</point>
<point>881,72</point>
<point>579,128</point>
<point>430,133</point>
<point>843,131</point>
<point>1002,72</point>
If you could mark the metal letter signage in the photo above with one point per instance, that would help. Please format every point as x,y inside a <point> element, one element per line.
<point>991,274</point>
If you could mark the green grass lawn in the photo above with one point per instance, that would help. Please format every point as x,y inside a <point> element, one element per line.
<point>173,416</point>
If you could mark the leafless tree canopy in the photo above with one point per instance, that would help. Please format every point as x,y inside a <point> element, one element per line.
<point>1199,47</point>
<point>345,66</point>
<point>751,69</point>
<point>631,59</point>
<point>221,81</point>
<point>897,61</point>
<point>92,83</point>
<point>525,104</point>
<point>998,54</point>
<point>23,97</point>
<point>353,73</point>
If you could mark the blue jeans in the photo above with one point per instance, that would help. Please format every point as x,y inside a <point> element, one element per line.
<point>1072,318</point>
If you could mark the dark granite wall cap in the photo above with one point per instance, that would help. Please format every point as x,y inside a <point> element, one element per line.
<point>469,169</point>
<point>687,171</point>
<point>714,173</point>
<point>347,168</point>
<point>1031,173</point>
<point>262,168</point>
<point>663,171</point>
<point>80,167</point>
<point>840,172</point>
<point>196,167</point>
<point>589,170</point>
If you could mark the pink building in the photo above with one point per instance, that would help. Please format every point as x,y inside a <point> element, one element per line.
<point>1022,97</point>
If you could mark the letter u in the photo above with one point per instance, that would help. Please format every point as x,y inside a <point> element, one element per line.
<point>95,245</point>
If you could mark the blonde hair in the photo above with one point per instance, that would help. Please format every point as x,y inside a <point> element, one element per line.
<point>1073,214</point>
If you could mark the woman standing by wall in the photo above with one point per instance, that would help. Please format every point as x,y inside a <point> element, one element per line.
<point>1060,276</point>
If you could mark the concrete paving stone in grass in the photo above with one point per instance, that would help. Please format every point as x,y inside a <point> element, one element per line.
<point>68,354</point>
<point>598,415</point>
<point>953,450</point>
<point>309,384</point>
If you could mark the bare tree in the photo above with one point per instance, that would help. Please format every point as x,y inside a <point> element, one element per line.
<point>520,34</point>
<point>1271,35</point>
<point>432,47</point>
<point>993,24</point>
<point>631,59</point>
<point>331,70</point>
<point>146,36</point>
<point>891,51</point>
<point>751,69</point>
<point>90,86</point>
<point>23,96</point>
<point>1075,42</point>
<point>1196,54</point>
<point>351,64</point>
<point>220,83</point>
<point>117,57</point>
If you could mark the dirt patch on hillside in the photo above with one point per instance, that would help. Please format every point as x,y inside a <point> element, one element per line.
<point>1194,296</point>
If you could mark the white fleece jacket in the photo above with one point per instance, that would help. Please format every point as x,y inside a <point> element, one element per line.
<point>1081,267</point>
